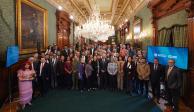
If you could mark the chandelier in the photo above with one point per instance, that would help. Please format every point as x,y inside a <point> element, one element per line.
<point>95,27</point>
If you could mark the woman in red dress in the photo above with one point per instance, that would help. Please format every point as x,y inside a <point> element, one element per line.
<point>68,73</point>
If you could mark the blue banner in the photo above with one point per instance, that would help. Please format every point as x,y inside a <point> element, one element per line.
<point>12,55</point>
<point>180,55</point>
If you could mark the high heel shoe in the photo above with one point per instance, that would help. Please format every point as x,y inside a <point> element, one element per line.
<point>23,107</point>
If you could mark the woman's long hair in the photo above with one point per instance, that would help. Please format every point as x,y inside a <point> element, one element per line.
<point>24,64</point>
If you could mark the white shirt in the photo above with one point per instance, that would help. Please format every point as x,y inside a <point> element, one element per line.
<point>169,70</point>
<point>129,65</point>
<point>41,67</point>
<point>54,60</point>
<point>155,66</point>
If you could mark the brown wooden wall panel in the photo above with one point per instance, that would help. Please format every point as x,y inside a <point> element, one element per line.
<point>162,8</point>
<point>190,97</point>
<point>63,29</point>
<point>4,80</point>
<point>3,85</point>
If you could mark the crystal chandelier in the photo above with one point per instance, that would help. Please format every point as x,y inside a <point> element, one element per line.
<point>95,27</point>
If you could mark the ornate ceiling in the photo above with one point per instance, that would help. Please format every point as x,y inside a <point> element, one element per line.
<point>115,11</point>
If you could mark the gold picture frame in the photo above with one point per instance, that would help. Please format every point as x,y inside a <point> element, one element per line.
<point>31,26</point>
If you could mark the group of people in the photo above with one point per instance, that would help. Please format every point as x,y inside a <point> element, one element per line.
<point>93,66</point>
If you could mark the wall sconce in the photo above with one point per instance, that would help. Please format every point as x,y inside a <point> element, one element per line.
<point>137,30</point>
<point>143,34</point>
<point>126,30</point>
<point>129,36</point>
<point>60,37</point>
<point>71,17</point>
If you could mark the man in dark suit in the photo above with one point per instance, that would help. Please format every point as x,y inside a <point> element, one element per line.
<point>65,52</point>
<point>92,50</point>
<point>61,72</point>
<point>103,72</point>
<point>53,64</point>
<point>173,80</point>
<point>43,76</point>
<point>156,75</point>
<point>55,49</point>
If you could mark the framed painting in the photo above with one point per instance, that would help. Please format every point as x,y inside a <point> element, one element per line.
<point>137,27</point>
<point>31,25</point>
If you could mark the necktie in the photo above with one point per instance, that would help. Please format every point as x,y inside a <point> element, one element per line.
<point>155,67</point>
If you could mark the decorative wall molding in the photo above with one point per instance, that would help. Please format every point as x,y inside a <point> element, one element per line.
<point>120,9</point>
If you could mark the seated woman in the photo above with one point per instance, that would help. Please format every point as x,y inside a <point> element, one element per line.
<point>25,76</point>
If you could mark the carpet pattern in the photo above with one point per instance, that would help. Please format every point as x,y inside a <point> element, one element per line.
<point>98,101</point>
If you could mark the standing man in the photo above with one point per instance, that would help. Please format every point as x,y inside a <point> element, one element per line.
<point>95,66</point>
<point>173,81</point>
<point>92,50</point>
<point>75,66</point>
<point>143,70</point>
<point>53,64</point>
<point>103,72</point>
<point>65,52</point>
<point>155,78</point>
<point>43,76</point>
<point>61,72</point>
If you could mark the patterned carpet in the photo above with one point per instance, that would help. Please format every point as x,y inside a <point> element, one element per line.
<point>98,101</point>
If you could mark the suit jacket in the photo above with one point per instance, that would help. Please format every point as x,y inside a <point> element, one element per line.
<point>81,71</point>
<point>156,75</point>
<point>60,68</point>
<point>143,71</point>
<point>129,71</point>
<point>95,67</point>
<point>65,52</point>
<point>174,79</point>
<point>53,67</point>
<point>103,66</point>
<point>45,71</point>
<point>35,64</point>
<point>93,51</point>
